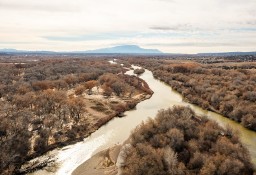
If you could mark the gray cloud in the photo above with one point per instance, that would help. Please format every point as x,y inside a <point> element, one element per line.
<point>15,42</point>
<point>162,28</point>
<point>252,22</point>
<point>184,24</point>
<point>171,1</point>
<point>96,36</point>
<point>4,5</point>
<point>179,27</point>
<point>197,44</point>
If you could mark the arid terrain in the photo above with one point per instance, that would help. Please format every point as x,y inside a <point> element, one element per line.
<point>226,85</point>
<point>50,103</point>
<point>132,87</point>
<point>53,101</point>
<point>176,142</point>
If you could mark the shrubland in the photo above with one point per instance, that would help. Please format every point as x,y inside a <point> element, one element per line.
<point>226,87</point>
<point>179,142</point>
<point>139,71</point>
<point>52,102</point>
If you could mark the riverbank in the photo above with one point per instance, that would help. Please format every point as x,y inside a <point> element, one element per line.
<point>151,150</point>
<point>58,101</point>
<point>164,96</point>
<point>96,107</point>
<point>118,130</point>
<point>102,163</point>
<point>227,88</point>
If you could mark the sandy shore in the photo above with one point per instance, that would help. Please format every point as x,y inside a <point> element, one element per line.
<point>102,163</point>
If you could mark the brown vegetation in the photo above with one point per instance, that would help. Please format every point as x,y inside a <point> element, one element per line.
<point>51,103</point>
<point>179,142</point>
<point>139,71</point>
<point>228,88</point>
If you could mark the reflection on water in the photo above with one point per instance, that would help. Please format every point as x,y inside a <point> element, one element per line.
<point>119,129</point>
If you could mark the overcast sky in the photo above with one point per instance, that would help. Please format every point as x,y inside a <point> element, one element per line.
<point>174,26</point>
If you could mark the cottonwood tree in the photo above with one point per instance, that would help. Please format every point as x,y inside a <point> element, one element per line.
<point>76,107</point>
<point>89,85</point>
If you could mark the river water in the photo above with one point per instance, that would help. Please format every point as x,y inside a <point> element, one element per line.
<point>118,130</point>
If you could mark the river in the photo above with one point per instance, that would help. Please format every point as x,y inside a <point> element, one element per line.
<point>118,130</point>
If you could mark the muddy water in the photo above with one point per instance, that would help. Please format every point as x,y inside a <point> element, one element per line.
<point>118,129</point>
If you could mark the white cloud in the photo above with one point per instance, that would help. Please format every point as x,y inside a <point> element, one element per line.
<point>163,24</point>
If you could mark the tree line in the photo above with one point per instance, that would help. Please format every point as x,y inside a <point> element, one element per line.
<point>229,90</point>
<point>179,142</point>
<point>42,104</point>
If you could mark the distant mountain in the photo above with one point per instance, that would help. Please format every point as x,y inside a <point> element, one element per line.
<point>227,54</point>
<point>8,50</point>
<point>15,51</point>
<point>124,49</point>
